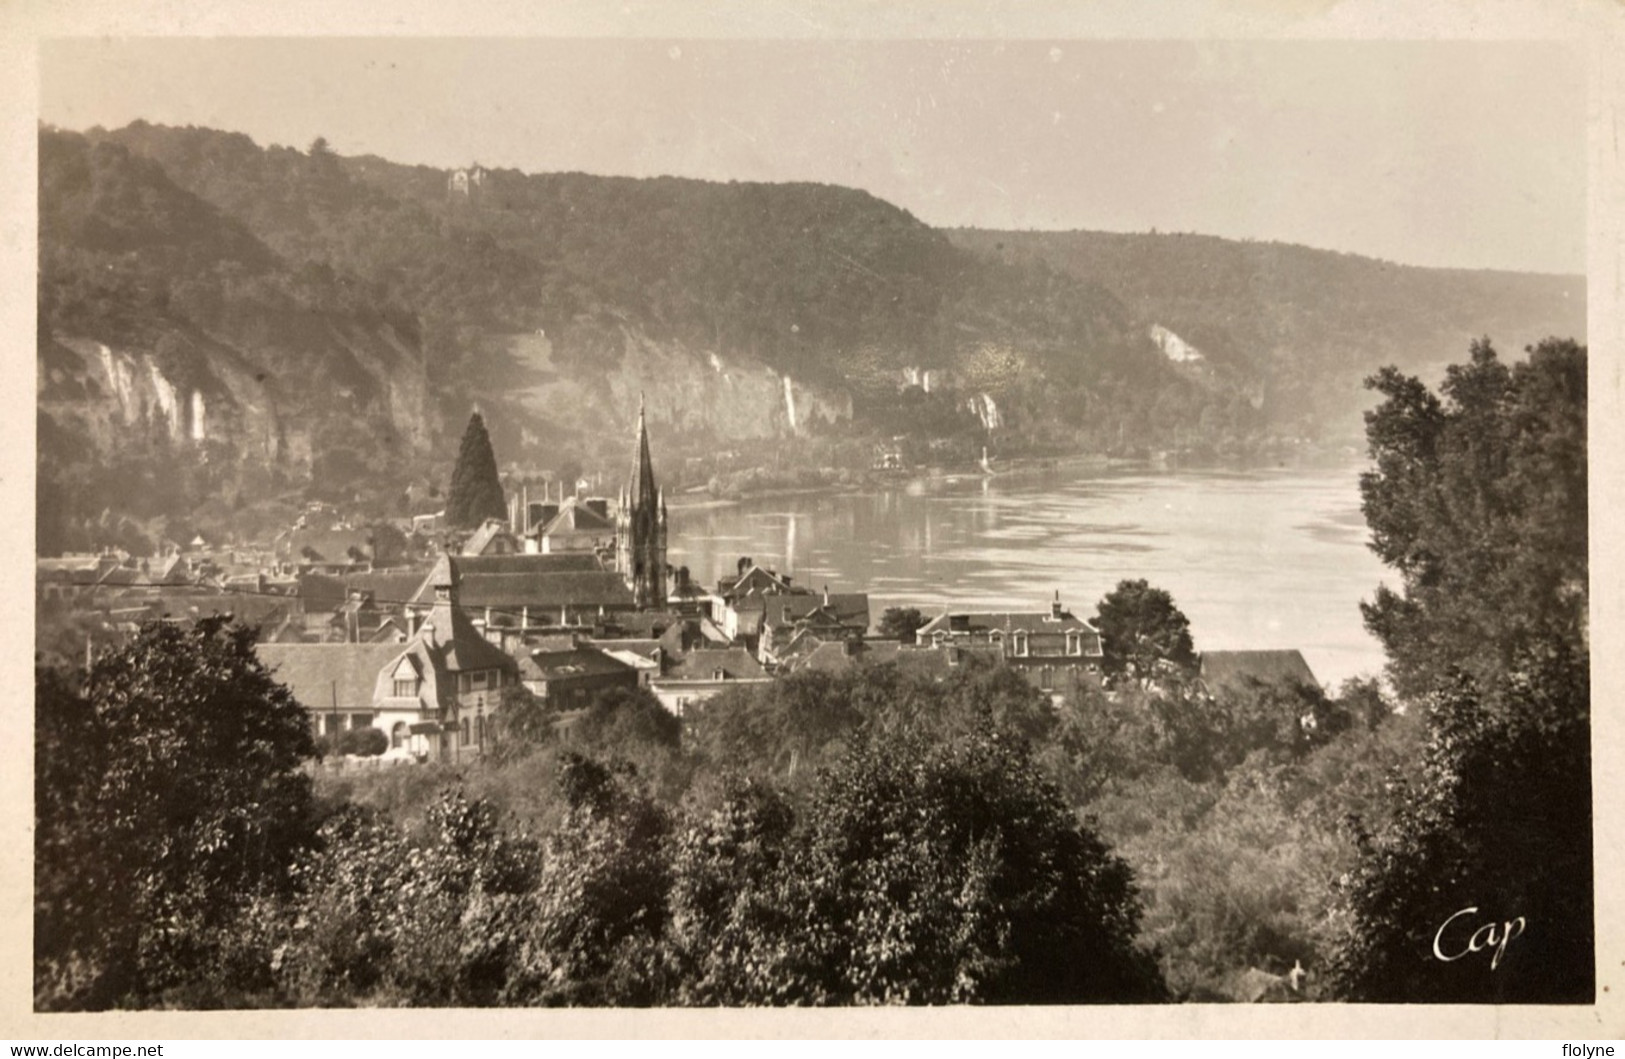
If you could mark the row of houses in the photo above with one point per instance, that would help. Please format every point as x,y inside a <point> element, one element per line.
<point>561,603</point>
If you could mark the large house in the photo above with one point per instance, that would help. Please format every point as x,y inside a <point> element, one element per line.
<point>808,616</point>
<point>436,695</point>
<point>334,682</point>
<point>570,678</point>
<point>1047,645</point>
<point>741,600</point>
<point>703,673</point>
<point>576,525</point>
<point>523,592</point>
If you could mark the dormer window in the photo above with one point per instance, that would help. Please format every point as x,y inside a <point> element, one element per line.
<point>405,680</point>
<point>1074,644</point>
<point>1020,641</point>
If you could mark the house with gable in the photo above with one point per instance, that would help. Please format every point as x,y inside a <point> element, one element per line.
<point>1046,645</point>
<point>571,677</point>
<point>703,673</point>
<point>492,538</point>
<point>741,600</point>
<point>334,682</point>
<point>443,689</point>
<point>807,616</point>
<point>575,525</point>
<point>436,696</point>
<point>524,592</point>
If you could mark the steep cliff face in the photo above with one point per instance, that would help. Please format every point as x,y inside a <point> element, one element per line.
<point>113,396</point>
<point>162,320</point>
<point>701,393</point>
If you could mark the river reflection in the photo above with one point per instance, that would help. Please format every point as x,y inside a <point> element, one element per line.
<point>1256,559</point>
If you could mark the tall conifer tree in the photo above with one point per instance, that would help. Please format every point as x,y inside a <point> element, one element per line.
<point>476,491</point>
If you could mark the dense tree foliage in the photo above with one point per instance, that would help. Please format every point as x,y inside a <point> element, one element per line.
<point>1143,636</point>
<point>1478,501</point>
<point>169,793</point>
<point>900,623</point>
<point>1307,325</point>
<point>339,314</point>
<point>475,493</point>
<point>1480,887</point>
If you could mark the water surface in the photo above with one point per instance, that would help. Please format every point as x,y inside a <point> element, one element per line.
<point>1255,558</point>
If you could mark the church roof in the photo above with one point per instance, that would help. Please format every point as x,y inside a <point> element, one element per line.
<point>495,580</point>
<point>600,588</point>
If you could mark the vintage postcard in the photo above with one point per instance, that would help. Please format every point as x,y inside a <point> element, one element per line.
<point>715,522</point>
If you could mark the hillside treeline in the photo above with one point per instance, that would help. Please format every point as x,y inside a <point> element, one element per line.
<point>340,315</point>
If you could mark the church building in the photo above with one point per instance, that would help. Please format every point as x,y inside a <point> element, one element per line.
<point>640,537</point>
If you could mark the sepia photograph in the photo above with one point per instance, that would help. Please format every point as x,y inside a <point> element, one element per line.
<point>673,521</point>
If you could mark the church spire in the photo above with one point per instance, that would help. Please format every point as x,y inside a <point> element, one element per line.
<point>641,544</point>
<point>643,473</point>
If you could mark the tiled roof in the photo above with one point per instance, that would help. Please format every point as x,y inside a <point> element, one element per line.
<point>319,673</point>
<point>489,531</point>
<point>388,588</point>
<point>1236,668</point>
<point>836,657</point>
<point>466,567</point>
<point>850,608</point>
<point>558,562</point>
<point>641,647</point>
<point>576,662</point>
<point>597,589</point>
<point>333,546</point>
<point>735,663</point>
<point>577,517</point>
<point>72,569</point>
<point>460,648</point>
<point>1037,621</point>
<point>758,580</point>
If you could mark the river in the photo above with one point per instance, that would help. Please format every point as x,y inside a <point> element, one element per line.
<point>1268,558</point>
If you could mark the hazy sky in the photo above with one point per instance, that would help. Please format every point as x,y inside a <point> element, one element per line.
<point>1468,154</point>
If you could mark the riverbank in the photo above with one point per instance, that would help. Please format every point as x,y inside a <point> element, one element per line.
<point>1306,456</point>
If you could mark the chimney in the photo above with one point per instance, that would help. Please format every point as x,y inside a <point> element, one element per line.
<point>826,595</point>
<point>744,564</point>
<point>524,506</point>
<point>1055,607</point>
